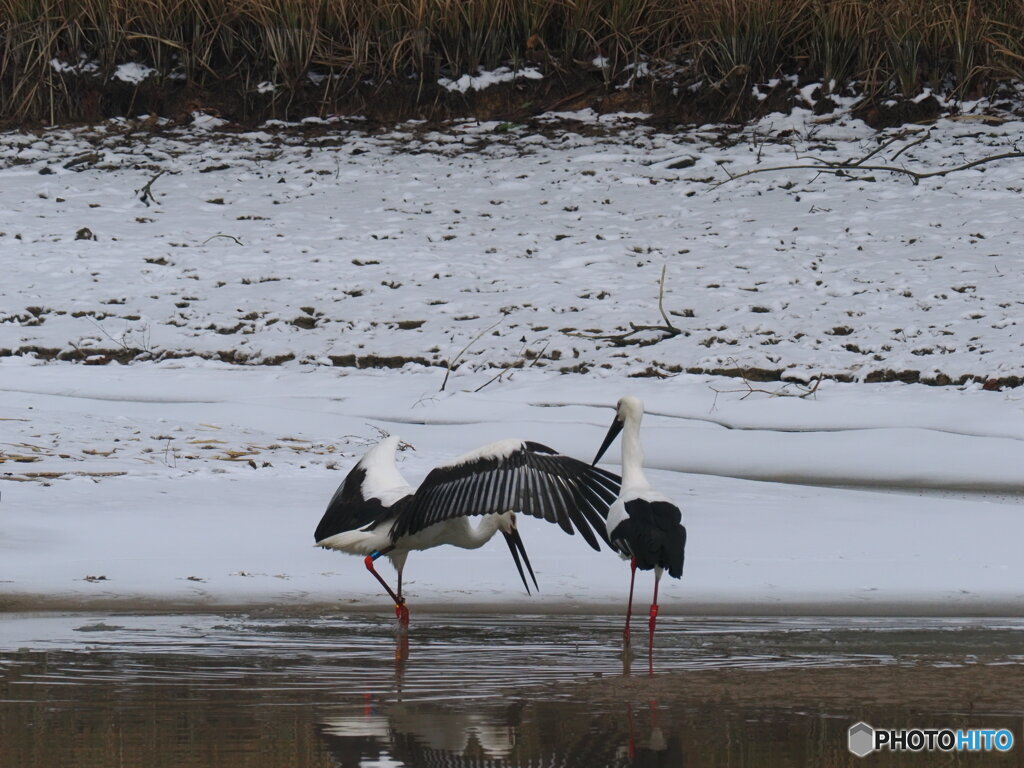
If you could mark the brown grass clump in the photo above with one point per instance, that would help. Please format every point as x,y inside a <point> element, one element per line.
<point>58,57</point>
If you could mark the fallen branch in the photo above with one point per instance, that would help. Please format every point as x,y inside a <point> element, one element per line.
<point>450,363</point>
<point>843,168</point>
<point>366,442</point>
<point>144,341</point>
<point>518,363</point>
<point>145,192</point>
<point>807,390</point>
<point>229,237</point>
<point>624,339</point>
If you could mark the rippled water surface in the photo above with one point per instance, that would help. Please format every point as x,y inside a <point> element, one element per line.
<point>119,690</point>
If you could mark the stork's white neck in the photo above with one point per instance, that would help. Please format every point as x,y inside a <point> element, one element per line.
<point>632,455</point>
<point>383,479</point>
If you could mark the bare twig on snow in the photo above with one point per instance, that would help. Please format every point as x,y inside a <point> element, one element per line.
<point>450,363</point>
<point>848,167</point>
<point>667,330</point>
<point>805,390</point>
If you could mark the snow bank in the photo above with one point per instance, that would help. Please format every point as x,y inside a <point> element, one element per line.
<point>202,485</point>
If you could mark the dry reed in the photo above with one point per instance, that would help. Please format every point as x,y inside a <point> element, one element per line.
<point>58,58</point>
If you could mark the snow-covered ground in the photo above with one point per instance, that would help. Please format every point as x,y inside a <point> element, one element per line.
<point>339,246</point>
<point>186,477</point>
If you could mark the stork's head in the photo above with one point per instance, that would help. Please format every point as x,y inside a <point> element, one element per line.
<point>628,409</point>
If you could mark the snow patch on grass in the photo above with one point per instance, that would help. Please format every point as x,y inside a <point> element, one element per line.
<point>486,78</point>
<point>133,72</point>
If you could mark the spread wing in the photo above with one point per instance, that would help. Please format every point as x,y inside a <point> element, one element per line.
<point>514,476</point>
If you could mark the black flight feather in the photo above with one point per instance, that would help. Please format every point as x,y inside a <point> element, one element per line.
<point>531,480</point>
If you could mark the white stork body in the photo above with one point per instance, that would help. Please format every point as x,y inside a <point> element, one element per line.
<point>384,483</point>
<point>643,525</point>
<point>375,512</point>
<point>459,532</point>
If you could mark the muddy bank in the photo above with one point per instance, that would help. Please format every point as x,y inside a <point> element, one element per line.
<point>932,685</point>
<point>429,609</point>
<point>673,97</point>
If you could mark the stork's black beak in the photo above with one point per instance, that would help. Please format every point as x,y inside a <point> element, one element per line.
<point>613,432</point>
<point>515,546</point>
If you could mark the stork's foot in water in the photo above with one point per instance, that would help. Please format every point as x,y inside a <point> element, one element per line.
<point>402,615</point>
<point>401,652</point>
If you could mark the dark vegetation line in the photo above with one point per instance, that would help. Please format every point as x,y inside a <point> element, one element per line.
<point>249,60</point>
<point>126,355</point>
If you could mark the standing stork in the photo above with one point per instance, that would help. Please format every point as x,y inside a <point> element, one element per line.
<point>375,512</point>
<point>643,524</point>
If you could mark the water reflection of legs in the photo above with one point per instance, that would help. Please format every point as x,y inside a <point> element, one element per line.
<point>629,605</point>
<point>632,735</point>
<point>652,623</point>
<point>401,659</point>
<point>627,648</point>
<point>645,751</point>
<point>657,742</point>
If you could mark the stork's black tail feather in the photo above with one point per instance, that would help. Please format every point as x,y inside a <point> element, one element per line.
<point>652,533</point>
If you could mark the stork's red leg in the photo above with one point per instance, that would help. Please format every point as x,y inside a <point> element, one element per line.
<point>651,624</point>
<point>629,605</point>
<point>369,559</point>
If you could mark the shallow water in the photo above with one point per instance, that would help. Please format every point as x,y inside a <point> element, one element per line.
<point>107,690</point>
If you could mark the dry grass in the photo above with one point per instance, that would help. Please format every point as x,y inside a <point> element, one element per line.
<point>199,46</point>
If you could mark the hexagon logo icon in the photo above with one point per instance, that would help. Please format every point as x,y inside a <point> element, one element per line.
<point>861,739</point>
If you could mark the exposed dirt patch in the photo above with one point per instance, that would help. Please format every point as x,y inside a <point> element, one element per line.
<point>379,361</point>
<point>887,114</point>
<point>106,355</point>
<point>125,355</point>
<point>665,102</point>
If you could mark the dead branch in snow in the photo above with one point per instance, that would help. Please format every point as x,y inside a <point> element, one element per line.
<point>125,341</point>
<point>219,234</point>
<point>849,167</point>
<point>368,442</point>
<point>452,362</point>
<point>145,192</point>
<point>805,390</point>
<point>667,330</point>
<point>517,364</point>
